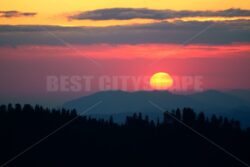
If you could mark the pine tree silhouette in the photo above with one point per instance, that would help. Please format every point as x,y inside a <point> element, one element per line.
<point>139,141</point>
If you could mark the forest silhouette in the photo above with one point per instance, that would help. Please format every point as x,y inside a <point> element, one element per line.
<point>85,141</point>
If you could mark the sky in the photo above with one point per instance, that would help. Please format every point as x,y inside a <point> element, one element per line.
<point>41,38</point>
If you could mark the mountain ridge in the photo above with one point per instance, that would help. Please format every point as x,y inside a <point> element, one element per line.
<point>124,103</point>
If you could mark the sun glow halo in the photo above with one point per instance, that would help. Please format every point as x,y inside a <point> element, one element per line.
<point>161,81</point>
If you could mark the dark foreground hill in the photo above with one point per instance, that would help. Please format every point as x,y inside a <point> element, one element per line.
<point>72,140</point>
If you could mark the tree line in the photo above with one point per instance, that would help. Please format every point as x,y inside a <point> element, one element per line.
<point>183,138</point>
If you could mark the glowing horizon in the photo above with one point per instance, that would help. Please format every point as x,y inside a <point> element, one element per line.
<point>136,38</point>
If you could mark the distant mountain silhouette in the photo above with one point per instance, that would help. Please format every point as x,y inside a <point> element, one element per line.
<point>120,103</point>
<point>243,94</point>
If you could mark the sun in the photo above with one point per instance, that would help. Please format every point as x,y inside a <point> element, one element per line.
<point>161,81</point>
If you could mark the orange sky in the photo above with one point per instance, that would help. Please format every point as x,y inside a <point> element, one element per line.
<point>222,56</point>
<point>54,12</point>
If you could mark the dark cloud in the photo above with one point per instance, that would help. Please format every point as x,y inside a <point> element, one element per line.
<point>14,13</point>
<point>226,32</point>
<point>144,13</point>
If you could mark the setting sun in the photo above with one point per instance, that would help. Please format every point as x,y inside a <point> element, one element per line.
<point>161,81</point>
